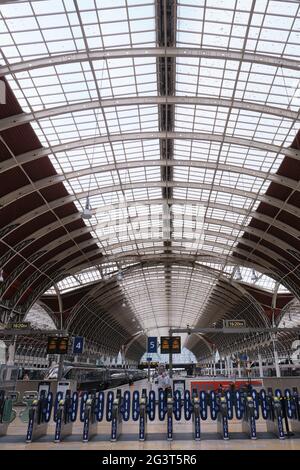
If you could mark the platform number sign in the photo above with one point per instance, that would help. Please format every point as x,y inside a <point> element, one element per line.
<point>78,345</point>
<point>152,344</point>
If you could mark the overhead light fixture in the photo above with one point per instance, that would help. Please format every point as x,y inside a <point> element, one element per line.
<point>120,275</point>
<point>124,304</point>
<point>1,275</point>
<point>254,276</point>
<point>238,274</point>
<point>87,212</point>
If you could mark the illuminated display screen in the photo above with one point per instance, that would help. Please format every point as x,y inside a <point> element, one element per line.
<point>57,345</point>
<point>170,344</point>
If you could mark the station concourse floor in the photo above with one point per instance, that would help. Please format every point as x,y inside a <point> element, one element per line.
<point>156,437</point>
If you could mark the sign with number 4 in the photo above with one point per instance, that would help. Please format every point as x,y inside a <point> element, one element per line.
<point>78,345</point>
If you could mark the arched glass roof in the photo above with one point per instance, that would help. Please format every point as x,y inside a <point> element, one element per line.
<point>170,120</point>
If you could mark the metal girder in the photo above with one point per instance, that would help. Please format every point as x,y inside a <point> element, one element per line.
<point>24,118</point>
<point>193,185</point>
<point>29,332</point>
<point>104,54</point>
<point>58,258</point>
<point>205,341</point>
<point>109,319</point>
<point>273,255</point>
<point>262,249</point>
<point>53,180</point>
<point>111,292</point>
<point>260,261</point>
<point>292,231</point>
<point>270,200</point>
<point>132,340</point>
<point>232,330</point>
<point>27,217</point>
<point>156,240</point>
<point>248,229</point>
<point>289,182</point>
<point>54,243</point>
<point>38,234</point>
<point>92,141</point>
<point>105,293</point>
<point>187,258</point>
<point>229,248</point>
<point>54,259</point>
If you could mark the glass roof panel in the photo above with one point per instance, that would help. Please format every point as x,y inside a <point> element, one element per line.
<point>197,199</point>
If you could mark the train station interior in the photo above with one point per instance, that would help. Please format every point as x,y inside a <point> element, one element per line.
<point>149,224</point>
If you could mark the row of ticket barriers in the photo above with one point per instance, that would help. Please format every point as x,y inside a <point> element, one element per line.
<point>280,411</point>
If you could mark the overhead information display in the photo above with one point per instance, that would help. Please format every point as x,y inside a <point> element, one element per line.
<point>57,345</point>
<point>170,344</point>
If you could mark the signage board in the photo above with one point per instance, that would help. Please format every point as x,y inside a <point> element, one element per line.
<point>22,325</point>
<point>234,324</point>
<point>243,357</point>
<point>78,345</point>
<point>57,345</point>
<point>179,385</point>
<point>170,344</point>
<point>152,344</point>
<point>43,387</point>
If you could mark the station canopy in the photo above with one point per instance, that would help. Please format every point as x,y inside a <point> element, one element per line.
<point>149,165</point>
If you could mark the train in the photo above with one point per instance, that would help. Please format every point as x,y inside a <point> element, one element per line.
<point>97,378</point>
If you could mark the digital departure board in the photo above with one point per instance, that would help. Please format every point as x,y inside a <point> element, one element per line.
<point>57,345</point>
<point>170,344</point>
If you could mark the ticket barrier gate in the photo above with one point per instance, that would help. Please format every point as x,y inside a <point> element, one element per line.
<point>292,408</point>
<point>274,409</point>
<point>39,413</point>
<point>250,412</point>
<point>222,418</point>
<point>195,407</point>
<point>169,405</point>
<point>7,413</point>
<point>120,411</point>
<point>28,398</point>
<point>143,408</point>
<point>218,412</point>
<point>91,412</point>
<point>65,412</point>
<point>275,413</point>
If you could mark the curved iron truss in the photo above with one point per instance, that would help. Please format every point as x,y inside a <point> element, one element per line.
<point>188,154</point>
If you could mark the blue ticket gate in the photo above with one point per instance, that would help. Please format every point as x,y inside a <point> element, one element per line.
<point>275,413</point>
<point>250,407</point>
<point>39,413</point>
<point>218,412</point>
<point>89,414</point>
<point>65,411</point>
<point>292,408</point>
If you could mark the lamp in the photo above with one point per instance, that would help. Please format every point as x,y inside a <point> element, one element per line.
<point>1,275</point>
<point>253,276</point>
<point>87,212</point>
<point>238,275</point>
<point>120,275</point>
